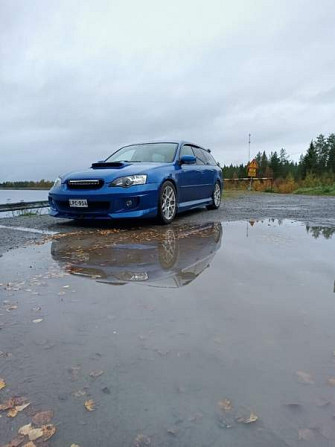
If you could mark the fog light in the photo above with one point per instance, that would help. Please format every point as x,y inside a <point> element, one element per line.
<point>129,203</point>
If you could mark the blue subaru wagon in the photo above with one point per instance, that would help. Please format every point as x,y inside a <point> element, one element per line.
<point>140,180</point>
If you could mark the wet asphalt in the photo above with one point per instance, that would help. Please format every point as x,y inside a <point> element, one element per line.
<point>217,330</point>
<point>311,210</point>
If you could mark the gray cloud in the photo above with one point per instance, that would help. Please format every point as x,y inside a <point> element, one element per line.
<point>78,79</point>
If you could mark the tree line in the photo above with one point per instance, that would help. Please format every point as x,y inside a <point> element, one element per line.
<point>317,162</point>
<point>27,184</point>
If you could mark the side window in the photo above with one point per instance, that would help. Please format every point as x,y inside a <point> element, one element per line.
<point>210,159</point>
<point>200,156</point>
<point>186,150</point>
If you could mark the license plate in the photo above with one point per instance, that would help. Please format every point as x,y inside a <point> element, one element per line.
<point>78,203</point>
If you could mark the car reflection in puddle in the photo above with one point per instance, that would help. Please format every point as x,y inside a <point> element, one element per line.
<point>171,257</point>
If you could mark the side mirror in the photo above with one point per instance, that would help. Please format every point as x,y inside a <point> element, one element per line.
<point>188,160</point>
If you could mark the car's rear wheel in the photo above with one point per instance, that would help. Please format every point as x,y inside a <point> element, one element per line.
<point>167,205</point>
<point>216,197</point>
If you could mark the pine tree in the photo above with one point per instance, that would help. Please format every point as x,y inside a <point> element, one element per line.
<point>275,164</point>
<point>310,161</point>
<point>331,153</point>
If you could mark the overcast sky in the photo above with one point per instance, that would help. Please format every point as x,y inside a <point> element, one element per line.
<point>78,79</point>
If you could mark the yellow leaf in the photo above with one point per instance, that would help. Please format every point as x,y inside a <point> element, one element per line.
<point>48,431</point>
<point>225,405</point>
<point>252,418</point>
<point>35,433</point>
<point>75,445</point>
<point>22,407</point>
<point>89,405</point>
<point>29,444</point>
<point>2,384</point>
<point>15,410</point>
<point>25,429</point>
<point>248,419</point>
<point>12,413</point>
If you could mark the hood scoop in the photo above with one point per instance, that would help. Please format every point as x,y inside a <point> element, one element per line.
<point>108,165</point>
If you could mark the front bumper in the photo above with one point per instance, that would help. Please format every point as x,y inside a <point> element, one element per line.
<point>106,203</point>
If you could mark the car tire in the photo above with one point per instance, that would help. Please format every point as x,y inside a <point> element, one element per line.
<point>167,203</point>
<point>216,197</point>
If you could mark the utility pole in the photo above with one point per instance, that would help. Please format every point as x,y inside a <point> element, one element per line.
<point>250,184</point>
<point>249,146</point>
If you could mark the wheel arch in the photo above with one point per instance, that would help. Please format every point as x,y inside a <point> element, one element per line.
<point>173,181</point>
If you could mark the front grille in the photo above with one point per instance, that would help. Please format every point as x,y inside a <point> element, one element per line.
<point>85,184</point>
<point>97,206</point>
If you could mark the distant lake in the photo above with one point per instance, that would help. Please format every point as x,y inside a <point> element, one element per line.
<point>25,195</point>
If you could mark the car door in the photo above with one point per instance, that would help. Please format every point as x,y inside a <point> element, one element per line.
<point>206,172</point>
<point>188,177</point>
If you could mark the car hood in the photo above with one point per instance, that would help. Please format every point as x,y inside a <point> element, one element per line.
<point>110,173</point>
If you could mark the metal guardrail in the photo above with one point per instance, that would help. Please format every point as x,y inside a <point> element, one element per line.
<point>23,205</point>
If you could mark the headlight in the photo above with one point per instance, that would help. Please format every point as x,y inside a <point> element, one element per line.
<point>131,180</point>
<point>58,182</point>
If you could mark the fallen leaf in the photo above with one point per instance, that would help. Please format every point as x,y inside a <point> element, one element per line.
<point>305,377</point>
<point>29,444</point>
<point>12,413</point>
<point>6,354</point>
<point>2,384</point>
<point>25,429</point>
<point>7,405</point>
<point>12,307</point>
<point>43,417</point>
<point>74,445</point>
<point>90,405</point>
<point>305,434</point>
<point>172,431</point>
<point>96,374</point>
<point>15,442</point>
<point>48,431</point>
<point>22,407</point>
<point>15,410</point>
<point>142,441</point>
<point>32,433</point>
<point>35,433</point>
<point>38,320</point>
<point>79,393</point>
<point>19,400</point>
<point>249,419</point>
<point>225,405</point>
<point>331,381</point>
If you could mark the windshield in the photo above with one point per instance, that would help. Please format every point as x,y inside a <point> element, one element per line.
<point>150,152</point>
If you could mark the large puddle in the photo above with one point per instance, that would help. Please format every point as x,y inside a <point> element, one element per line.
<point>218,335</point>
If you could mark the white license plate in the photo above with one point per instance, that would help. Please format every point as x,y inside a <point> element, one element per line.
<point>78,203</point>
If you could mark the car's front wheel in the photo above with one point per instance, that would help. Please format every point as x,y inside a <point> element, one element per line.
<point>216,197</point>
<point>167,205</point>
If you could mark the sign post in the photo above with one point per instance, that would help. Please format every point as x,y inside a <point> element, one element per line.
<point>252,171</point>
